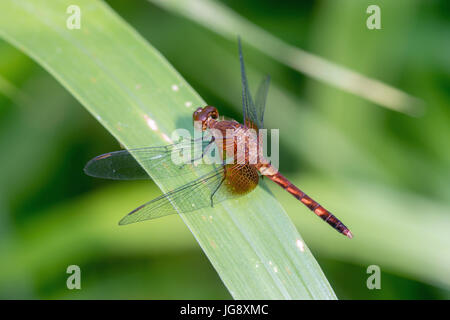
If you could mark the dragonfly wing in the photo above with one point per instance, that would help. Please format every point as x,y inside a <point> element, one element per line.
<point>117,165</point>
<point>248,107</point>
<point>253,111</point>
<point>161,162</point>
<point>260,101</point>
<point>187,198</point>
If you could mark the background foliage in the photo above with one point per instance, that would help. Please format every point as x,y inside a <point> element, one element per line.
<point>384,173</point>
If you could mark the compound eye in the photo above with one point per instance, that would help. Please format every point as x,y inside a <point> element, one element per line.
<point>214,115</point>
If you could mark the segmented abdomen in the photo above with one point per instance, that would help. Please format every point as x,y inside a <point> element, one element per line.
<point>314,206</point>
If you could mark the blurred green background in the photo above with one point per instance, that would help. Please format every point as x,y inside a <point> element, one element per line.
<point>384,173</point>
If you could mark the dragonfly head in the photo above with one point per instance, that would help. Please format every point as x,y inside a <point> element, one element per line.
<point>206,116</point>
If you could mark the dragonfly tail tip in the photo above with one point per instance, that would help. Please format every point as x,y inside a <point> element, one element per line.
<point>348,234</point>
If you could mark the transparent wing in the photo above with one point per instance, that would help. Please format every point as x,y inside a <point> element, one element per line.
<point>253,111</point>
<point>260,101</point>
<point>122,165</point>
<point>187,198</point>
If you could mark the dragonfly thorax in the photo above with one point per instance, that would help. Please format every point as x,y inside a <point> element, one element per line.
<point>237,142</point>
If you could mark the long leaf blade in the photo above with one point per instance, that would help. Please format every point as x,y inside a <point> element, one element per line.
<point>135,93</point>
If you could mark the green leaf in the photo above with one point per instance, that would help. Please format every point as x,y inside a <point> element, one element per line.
<point>137,95</point>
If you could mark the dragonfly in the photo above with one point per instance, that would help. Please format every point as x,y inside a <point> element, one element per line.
<point>217,182</point>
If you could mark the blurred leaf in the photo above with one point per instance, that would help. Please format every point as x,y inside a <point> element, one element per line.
<point>87,225</point>
<point>404,233</point>
<point>218,18</point>
<point>126,84</point>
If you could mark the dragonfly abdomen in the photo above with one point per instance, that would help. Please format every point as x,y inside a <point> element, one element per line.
<point>313,205</point>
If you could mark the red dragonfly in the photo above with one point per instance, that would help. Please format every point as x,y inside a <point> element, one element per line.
<point>218,182</point>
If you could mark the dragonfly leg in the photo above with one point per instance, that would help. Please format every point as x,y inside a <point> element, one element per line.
<point>208,146</point>
<point>215,190</point>
<point>203,152</point>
